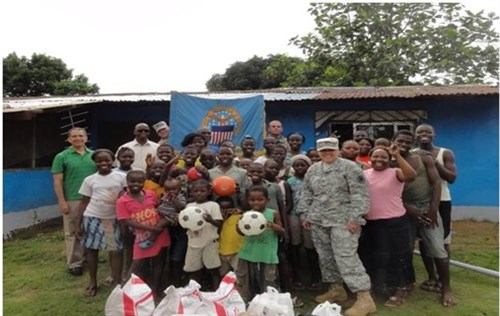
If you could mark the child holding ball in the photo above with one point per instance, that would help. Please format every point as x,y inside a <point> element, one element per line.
<point>137,209</point>
<point>258,257</point>
<point>203,245</point>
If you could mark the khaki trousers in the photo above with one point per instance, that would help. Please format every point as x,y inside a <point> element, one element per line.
<point>74,249</point>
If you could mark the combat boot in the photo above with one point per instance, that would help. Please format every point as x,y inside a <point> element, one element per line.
<point>363,306</point>
<point>335,293</point>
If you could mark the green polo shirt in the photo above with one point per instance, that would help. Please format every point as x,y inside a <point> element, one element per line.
<point>75,168</point>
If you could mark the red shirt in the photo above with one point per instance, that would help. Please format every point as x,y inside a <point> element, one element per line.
<point>146,214</point>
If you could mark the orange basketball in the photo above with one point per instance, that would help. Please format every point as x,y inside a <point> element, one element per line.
<point>223,186</point>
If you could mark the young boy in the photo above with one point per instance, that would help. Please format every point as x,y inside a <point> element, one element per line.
<point>258,257</point>
<point>301,164</point>
<point>203,245</point>
<point>230,240</point>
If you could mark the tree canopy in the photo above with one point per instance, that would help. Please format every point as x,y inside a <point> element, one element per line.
<point>387,44</point>
<point>42,75</point>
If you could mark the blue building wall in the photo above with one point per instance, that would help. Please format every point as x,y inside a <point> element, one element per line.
<point>469,126</point>
<point>26,189</point>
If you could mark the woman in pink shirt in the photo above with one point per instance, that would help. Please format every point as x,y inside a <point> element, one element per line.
<point>387,230</point>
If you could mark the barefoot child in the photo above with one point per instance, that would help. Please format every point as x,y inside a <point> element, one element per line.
<point>137,209</point>
<point>97,216</point>
<point>203,245</point>
<point>230,240</point>
<point>258,257</point>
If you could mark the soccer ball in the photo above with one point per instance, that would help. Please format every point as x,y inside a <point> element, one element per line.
<point>193,174</point>
<point>224,186</point>
<point>252,223</point>
<point>192,218</point>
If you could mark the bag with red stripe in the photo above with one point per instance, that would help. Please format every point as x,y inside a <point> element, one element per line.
<point>133,299</point>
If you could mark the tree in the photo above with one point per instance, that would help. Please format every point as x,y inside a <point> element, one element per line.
<point>255,73</point>
<point>384,44</point>
<point>42,75</point>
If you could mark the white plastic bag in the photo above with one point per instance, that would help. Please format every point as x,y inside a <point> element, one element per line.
<point>227,295</point>
<point>271,303</point>
<point>327,309</point>
<point>133,299</point>
<point>189,300</point>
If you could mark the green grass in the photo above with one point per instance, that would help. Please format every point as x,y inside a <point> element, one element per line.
<point>35,280</point>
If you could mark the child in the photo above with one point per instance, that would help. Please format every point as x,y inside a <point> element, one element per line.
<point>153,178</point>
<point>245,163</point>
<point>279,155</point>
<point>313,154</point>
<point>230,240</point>
<point>350,151</point>
<point>383,142</point>
<point>248,146</point>
<point>165,152</point>
<point>189,158</point>
<point>175,200</point>
<point>301,164</point>
<point>226,168</point>
<point>258,255</point>
<point>97,216</point>
<point>269,143</point>
<point>207,158</point>
<point>203,244</point>
<point>126,158</point>
<point>137,209</point>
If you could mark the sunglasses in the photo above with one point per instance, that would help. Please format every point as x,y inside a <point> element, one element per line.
<point>143,131</point>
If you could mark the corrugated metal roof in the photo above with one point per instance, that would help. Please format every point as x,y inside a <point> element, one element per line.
<point>278,94</point>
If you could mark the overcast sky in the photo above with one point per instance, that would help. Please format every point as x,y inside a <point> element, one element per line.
<point>156,45</point>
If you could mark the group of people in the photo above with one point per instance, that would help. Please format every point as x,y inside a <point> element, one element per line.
<point>351,213</point>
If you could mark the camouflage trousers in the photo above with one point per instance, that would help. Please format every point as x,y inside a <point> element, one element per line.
<point>338,257</point>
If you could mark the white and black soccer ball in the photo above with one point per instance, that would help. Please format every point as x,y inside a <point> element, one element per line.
<point>252,223</point>
<point>192,218</point>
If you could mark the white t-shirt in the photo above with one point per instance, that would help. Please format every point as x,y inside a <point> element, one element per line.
<point>103,192</point>
<point>208,233</point>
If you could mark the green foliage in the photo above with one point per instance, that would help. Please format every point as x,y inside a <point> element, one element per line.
<point>42,75</point>
<point>386,44</point>
<point>255,73</point>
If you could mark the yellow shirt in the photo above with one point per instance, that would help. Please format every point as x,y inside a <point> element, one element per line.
<point>155,187</point>
<point>230,241</point>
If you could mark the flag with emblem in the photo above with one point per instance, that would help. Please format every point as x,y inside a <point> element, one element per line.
<point>231,118</point>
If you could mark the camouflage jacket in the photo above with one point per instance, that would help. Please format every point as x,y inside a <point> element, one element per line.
<point>334,195</point>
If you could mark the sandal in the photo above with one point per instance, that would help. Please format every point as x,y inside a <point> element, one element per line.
<point>394,301</point>
<point>297,303</point>
<point>431,286</point>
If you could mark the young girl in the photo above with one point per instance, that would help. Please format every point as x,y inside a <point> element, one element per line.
<point>126,158</point>
<point>258,257</point>
<point>97,213</point>
<point>203,245</point>
<point>137,209</point>
<point>301,164</point>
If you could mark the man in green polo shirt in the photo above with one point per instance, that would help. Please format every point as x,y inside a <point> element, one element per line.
<point>69,169</point>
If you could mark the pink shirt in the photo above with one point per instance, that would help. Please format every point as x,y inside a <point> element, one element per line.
<point>146,214</point>
<point>385,194</point>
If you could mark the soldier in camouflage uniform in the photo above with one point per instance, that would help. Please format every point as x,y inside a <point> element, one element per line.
<point>333,202</point>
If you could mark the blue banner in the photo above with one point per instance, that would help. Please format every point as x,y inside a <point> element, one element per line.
<point>188,113</point>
